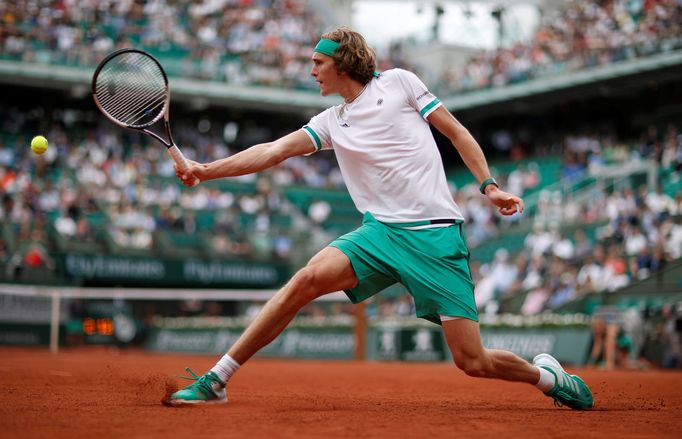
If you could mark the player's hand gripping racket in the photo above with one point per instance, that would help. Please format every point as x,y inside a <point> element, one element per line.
<point>131,89</point>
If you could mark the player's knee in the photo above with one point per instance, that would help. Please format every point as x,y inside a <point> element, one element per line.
<point>472,366</point>
<point>304,284</point>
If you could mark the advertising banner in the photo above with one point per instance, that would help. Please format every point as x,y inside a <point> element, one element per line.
<point>426,343</point>
<point>318,342</point>
<point>130,270</point>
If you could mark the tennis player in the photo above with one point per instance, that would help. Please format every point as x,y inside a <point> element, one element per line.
<point>411,231</point>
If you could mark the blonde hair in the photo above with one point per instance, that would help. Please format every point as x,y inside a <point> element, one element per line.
<point>353,55</point>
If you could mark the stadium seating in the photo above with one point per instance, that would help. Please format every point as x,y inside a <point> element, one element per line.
<point>598,33</point>
<point>269,43</point>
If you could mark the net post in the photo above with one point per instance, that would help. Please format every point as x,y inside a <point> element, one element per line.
<point>54,322</point>
<point>360,331</point>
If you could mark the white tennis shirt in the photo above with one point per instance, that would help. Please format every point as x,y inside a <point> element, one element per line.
<point>386,152</point>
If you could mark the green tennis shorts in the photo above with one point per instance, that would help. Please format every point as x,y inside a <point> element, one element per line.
<point>432,263</point>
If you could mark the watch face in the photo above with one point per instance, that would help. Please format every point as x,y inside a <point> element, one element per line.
<point>124,328</point>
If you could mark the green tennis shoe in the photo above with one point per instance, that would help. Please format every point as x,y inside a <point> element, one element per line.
<point>569,390</point>
<point>207,389</point>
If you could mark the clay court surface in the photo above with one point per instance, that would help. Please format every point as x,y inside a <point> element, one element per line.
<point>104,394</point>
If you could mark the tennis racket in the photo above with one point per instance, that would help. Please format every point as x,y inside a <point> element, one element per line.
<point>131,89</point>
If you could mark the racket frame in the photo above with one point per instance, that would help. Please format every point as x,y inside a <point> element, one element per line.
<point>174,151</point>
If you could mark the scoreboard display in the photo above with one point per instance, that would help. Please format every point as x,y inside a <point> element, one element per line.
<point>98,326</point>
<point>105,322</point>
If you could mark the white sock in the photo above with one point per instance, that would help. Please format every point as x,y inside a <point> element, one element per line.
<point>225,367</point>
<point>547,380</point>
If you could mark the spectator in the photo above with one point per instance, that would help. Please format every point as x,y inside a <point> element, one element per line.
<point>635,241</point>
<point>536,299</point>
<point>583,246</point>
<point>496,279</point>
<point>564,293</point>
<point>611,345</point>
<point>319,211</point>
<point>672,336</point>
<point>31,254</point>
<point>65,223</point>
<point>539,241</point>
<point>591,275</point>
<point>563,247</point>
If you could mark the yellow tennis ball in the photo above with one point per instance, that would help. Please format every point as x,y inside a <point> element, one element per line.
<point>39,144</point>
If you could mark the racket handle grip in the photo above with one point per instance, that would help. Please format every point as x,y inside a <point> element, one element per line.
<point>181,161</point>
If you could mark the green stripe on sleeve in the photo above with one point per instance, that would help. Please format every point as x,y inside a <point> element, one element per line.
<point>426,109</point>
<point>318,143</point>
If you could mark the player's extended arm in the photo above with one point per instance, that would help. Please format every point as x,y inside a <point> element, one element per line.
<point>473,157</point>
<point>251,160</point>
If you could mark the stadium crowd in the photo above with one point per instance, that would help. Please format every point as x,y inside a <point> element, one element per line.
<point>582,35</point>
<point>108,173</point>
<point>636,230</point>
<point>268,42</point>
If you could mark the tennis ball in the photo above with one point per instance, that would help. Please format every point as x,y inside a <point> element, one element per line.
<point>39,144</point>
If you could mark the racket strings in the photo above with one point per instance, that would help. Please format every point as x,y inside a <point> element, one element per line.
<point>132,104</point>
<point>137,73</point>
<point>131,88</point>
<point>132,107</point>
<point>139,92</point>
<point>121,94</point>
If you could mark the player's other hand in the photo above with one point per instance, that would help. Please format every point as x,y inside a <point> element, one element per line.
<point>192,176</point>
<point>507,204</point>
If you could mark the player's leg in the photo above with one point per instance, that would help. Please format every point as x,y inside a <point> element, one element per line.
<point>464,340</point>
<point>328,271</point>
<point>440,282</point>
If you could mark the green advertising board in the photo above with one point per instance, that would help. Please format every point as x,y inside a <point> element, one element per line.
<point>303,342</point>
<point>132,271</point>
<point>427,343</point>
<point>567,344</point>
<point>396,342</point>
<point>388,342</point>
<point>25,334</point>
